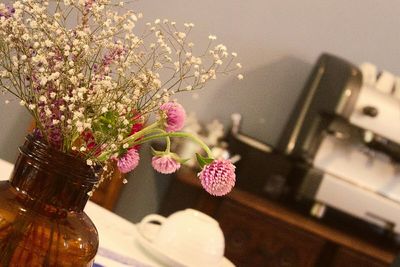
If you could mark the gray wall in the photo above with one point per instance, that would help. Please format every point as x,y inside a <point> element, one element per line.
<point>277,42</point>
<point>14,125</point>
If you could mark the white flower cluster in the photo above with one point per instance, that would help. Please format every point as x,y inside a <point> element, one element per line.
<point>97,79</point>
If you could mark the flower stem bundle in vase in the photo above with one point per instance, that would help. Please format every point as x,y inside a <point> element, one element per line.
<point>91,89</point>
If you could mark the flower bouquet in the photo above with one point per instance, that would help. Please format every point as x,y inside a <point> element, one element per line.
<point>92,87</point>
<point>97,90</point>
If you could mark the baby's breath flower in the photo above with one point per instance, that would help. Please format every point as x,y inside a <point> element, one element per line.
<point>181,35</point>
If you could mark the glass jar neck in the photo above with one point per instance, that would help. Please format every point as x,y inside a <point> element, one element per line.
<point>51,181</point>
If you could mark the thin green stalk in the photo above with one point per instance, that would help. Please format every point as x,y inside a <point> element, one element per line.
<point>129,140</point>
<point>177,134</point>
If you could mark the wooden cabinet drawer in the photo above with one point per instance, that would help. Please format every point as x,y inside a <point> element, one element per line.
<point>255,240</point>
<point>107,194</point>
<point>348,258</point>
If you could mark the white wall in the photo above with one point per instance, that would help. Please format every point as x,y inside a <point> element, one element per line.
<point>277,42</point>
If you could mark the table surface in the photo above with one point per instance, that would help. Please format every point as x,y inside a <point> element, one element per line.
<point>117,244</point>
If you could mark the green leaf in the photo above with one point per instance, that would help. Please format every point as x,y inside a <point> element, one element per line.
<point>102,124</point>
<point>202,160</point>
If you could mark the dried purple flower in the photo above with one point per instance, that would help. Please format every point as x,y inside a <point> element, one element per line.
<point>8,13</point>
<point>108,60</point>
<point>128,161</point>
<point>176,116</point>
<point>165,164</point>
<point>218,178</point>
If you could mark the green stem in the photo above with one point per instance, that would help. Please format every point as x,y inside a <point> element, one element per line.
<point>130,140</point>
<point>177,134</point>
<point>142,132</point>
<point>168,148</point>
<point>167,140</point>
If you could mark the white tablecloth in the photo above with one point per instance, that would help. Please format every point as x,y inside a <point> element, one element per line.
<point>117,236</point>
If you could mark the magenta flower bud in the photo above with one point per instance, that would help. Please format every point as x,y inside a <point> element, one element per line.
<point>218,178</point>
<point>176,116</point>
<point>128,161</point>
<point>165,164</point>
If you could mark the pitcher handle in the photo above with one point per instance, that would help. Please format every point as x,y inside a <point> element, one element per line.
<point>149,219</point>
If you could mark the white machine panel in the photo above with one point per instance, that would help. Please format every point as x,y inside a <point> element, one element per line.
<point>356,164</point>
<point>359,202</point>
<point>386,123</point>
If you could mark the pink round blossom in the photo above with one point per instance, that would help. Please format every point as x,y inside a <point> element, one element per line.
<point>129,161</point>
<point>165,164</point>
<point>176,116</point>
<point>218,178</point>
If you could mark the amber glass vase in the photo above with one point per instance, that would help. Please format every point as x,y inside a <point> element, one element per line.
<point>42,222</point>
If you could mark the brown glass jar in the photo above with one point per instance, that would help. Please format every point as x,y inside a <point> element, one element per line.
<point>42,222</point>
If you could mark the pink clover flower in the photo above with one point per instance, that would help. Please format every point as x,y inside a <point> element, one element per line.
<point>129,161</point>
<point>176,116</point>
<point>218,178</point>
<point>165,164</point>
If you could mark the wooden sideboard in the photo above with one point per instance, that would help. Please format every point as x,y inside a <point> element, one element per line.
<point>107,194</point>
<point>259,232</point>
